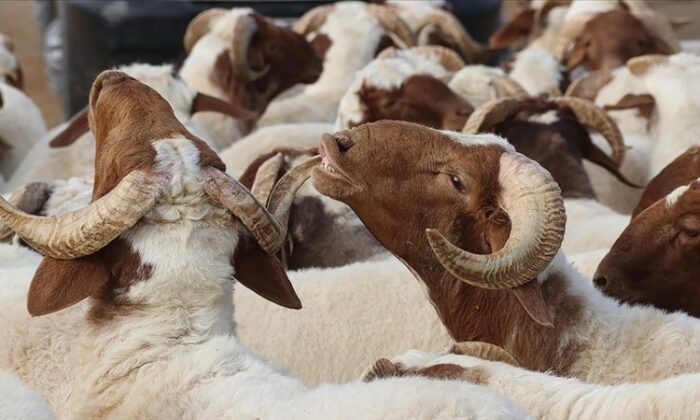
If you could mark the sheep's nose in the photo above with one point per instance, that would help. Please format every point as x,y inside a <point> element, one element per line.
<point>343,140</point>
<point>601,282</point>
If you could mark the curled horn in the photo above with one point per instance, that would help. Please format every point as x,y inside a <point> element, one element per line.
<point>642,64</point>
<point>268,226</point>
<point>469,49</point>
<point>203,102</point>
<point>199,26</point>
<point>447,58</point>
<point>243,32</point>
<point>312,20</point>
<point>535,206</point>
<point>486,351</point>
<point>29,198</point>
<point>507,87</point>
<point>588,85</point>
<point>591,116</point>
<point>266,176</point>
<point>89,229</point>
<point>491,113</point>
<point>393,23</point>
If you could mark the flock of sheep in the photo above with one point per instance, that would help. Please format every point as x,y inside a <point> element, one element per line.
<point>474,241</point>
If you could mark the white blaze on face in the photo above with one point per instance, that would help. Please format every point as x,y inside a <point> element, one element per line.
<point>485,139</point>
<point>675,195</point>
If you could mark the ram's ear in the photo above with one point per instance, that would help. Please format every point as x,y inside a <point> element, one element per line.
<point>519,27</point>
<point>644,103</point>
<point>264,274</point>
<point>530,297</point>
<point>77,126</point>
<point>58,284</point>
<point>236,91</point>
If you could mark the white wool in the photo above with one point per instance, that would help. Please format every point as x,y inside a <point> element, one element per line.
<point>550,39</point>
<point>537,71</point>
<point>18,401</point>
<point>21,125</point>
<point>473,83</point>
<point>587,263</point>
<point>485,139</point>
<point>675,195</point>
<point>412,12</point>
<point>13,256</point>
<point>591,7</point>
<point>387,74</point>
<point>354,34</point>
<point>548,396</point>
<point>8,62</point>
<point>590,225</point>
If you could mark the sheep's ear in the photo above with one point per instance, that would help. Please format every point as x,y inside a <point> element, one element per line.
<point>645,103</point>
<point>58,284</point>
<point>222,75</point>
<point>264,274</point>
<point>530,297</point>
<point>77,126</point>
<point>519,27</point>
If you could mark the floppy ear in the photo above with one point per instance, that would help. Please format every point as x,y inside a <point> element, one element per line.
<point>519,27</point>
<point>203,102</point>
<point>530,297</point>
<point>222,75</point>
<point>263,274</point>
<point>645,103</point>
<point>77,126</point>
<point>58,284</point>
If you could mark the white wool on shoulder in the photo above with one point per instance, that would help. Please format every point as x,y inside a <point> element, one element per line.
<point>387,74</point>
<point>18,401</point>
<point>473,83</point>
<point>21,126</point>
<point>538,71</point>
<point>590,225</point>
<point>587,263</point>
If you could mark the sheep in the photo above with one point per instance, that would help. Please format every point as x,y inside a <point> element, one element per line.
<point>68,150</point>
<point>554,320</point>
<point>348,35</point>
<point>405,85</point>
<point>560,142</point>
<point>654,259</point>
<point>21,125</point>
<point>242,57</point>
<point>17,401</point>
<point>10,69</point>
<point>549,396</point>
<point>174,228</point>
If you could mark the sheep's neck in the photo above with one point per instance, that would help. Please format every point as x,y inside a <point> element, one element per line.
<point>496,316</point>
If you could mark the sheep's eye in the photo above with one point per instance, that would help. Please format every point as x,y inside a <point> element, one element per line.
<point>457,183</point>
<point>690,233</point>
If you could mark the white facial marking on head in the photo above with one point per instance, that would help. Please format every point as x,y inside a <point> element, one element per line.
<point>485,139</point>
<point>675,195</point>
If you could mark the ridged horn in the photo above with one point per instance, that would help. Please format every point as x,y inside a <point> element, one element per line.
<point>199,26</point>
<point>393,23</point>
<point>470,50</point>
<point>89,229</point>
<point>266,176</point>
<point>313,19</point>
<point>491,113</point>
<point>535,206</point>
<point>591,116</point>
<point>507,87</point>
<point>29,198</point>
<point>243,32</point>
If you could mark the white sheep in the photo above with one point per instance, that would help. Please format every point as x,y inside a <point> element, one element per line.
<point>21,125</point>
<point>549,396</point>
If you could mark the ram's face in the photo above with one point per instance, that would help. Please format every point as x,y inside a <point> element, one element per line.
<point>656,259</point>
<point>403,178</point>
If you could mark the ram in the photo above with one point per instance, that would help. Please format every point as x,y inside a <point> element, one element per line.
<point>554,132</point>
<point>155,251</point>
<point>487,252</point>
<point>654,261</point>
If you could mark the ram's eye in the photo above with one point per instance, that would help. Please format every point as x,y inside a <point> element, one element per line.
<point>457,183</point>
<point>690,233</point>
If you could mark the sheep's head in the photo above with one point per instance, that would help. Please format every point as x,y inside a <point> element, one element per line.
<point>260,58</point>
<point>147,166</point>
<point>656,258</point>
<point>443,201</point>
<point>404,86</point>
<point>554,133</point>
<point>609,39</point>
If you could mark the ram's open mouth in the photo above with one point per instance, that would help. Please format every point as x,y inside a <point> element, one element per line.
<point>328,165</point>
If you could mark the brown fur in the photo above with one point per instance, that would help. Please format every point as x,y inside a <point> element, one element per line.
<point>610,38</point>
<point>444,371</point>
<point>291,59</point>
<point>384,42</point>
<point>656,259</point>
<point>321,43</point>
<point>401,185</point>
<point>422,99</point>
<point>644,103</point>
<point>514,32</point>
